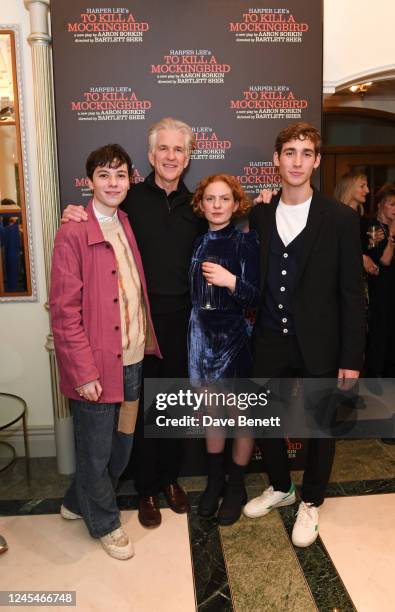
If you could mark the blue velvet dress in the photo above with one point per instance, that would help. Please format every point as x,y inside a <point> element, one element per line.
<point>218,343</point>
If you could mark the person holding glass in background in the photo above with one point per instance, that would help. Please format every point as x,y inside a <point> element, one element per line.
<point>380,357</point>
<point>224,281</point>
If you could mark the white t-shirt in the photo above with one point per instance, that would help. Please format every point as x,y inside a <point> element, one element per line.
<point>291,219</point>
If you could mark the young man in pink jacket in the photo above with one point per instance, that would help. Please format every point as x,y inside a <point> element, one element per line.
<point>102,328</point>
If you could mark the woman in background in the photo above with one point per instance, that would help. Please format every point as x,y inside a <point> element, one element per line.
<point>380,359</point>
<point>352,189</point>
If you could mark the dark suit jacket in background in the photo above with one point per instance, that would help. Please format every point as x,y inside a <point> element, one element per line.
<point>328,299</point>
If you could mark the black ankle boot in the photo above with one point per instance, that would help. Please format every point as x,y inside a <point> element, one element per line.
<point>235,496</point>
<point>209,499</point>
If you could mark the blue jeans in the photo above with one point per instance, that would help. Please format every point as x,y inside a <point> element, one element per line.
<point>102,453</point>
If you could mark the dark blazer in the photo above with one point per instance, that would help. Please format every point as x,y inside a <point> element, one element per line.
<point>328,299</point>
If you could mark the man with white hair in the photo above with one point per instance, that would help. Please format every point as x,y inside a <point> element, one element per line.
<point>166,228</point>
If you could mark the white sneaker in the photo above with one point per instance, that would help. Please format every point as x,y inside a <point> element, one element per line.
<point>118,544</point>
<point>305,530</point>
<point>68,514</point>
<point>261,505</point>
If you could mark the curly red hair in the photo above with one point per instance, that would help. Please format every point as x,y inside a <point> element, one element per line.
<point>238,193</point>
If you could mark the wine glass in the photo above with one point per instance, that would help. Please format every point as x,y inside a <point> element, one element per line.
<point>209,287</point>
<point>372,235</point>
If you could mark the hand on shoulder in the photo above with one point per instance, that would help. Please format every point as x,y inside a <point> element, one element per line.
<point>265,196</point>
<point>74,212</point>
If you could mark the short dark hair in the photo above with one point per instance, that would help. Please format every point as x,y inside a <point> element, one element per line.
<point>298,131</point>
<point>112,155</point>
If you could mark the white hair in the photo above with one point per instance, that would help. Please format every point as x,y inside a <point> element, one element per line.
<point>168,123</point>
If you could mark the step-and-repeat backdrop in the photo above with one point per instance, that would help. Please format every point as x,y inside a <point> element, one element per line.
<point>237,71</point>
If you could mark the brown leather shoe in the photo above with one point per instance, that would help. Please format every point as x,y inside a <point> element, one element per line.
<point>3,545</point>
<point>176,498</point>
<point>149,513</point>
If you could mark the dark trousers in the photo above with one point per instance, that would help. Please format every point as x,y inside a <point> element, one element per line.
<point>380,353</point>
<point>156,462</point>
<point>276,356</point>
<point>102,453</point>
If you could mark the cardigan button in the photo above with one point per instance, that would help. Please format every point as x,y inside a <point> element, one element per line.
<point>116,327</point>
<point>119,356</point>
<point>113,271</point>
<point>115,300</point>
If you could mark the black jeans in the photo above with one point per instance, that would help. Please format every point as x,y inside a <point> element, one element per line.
<point>277,356</point>
<point>155,462</point>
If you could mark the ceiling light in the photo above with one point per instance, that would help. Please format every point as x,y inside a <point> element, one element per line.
<point>361,88</point>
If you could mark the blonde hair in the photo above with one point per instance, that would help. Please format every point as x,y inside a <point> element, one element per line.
<point>168,123</point>
<point>345,188</point>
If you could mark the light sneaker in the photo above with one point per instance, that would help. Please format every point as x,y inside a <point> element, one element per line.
<point>305,530</point>
<point>261,505</point>
<point>118,544</point>
<point>68,514</point>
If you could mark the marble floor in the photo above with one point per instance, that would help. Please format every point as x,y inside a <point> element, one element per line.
<point>50,554</point>
<point>250,566</point>
<point>361,529</point>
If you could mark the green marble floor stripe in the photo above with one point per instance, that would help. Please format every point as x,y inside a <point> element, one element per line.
<point>263,571</point>
<point>359,459</point>
<point>44,482</point>
<point>362,460</point>
<point>327,588</point>
<point>388,449</point>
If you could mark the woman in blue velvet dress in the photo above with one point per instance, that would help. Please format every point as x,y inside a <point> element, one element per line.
<point>224,281</point>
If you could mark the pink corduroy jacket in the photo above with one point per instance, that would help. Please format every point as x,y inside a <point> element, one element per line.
<point>84,307</point>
